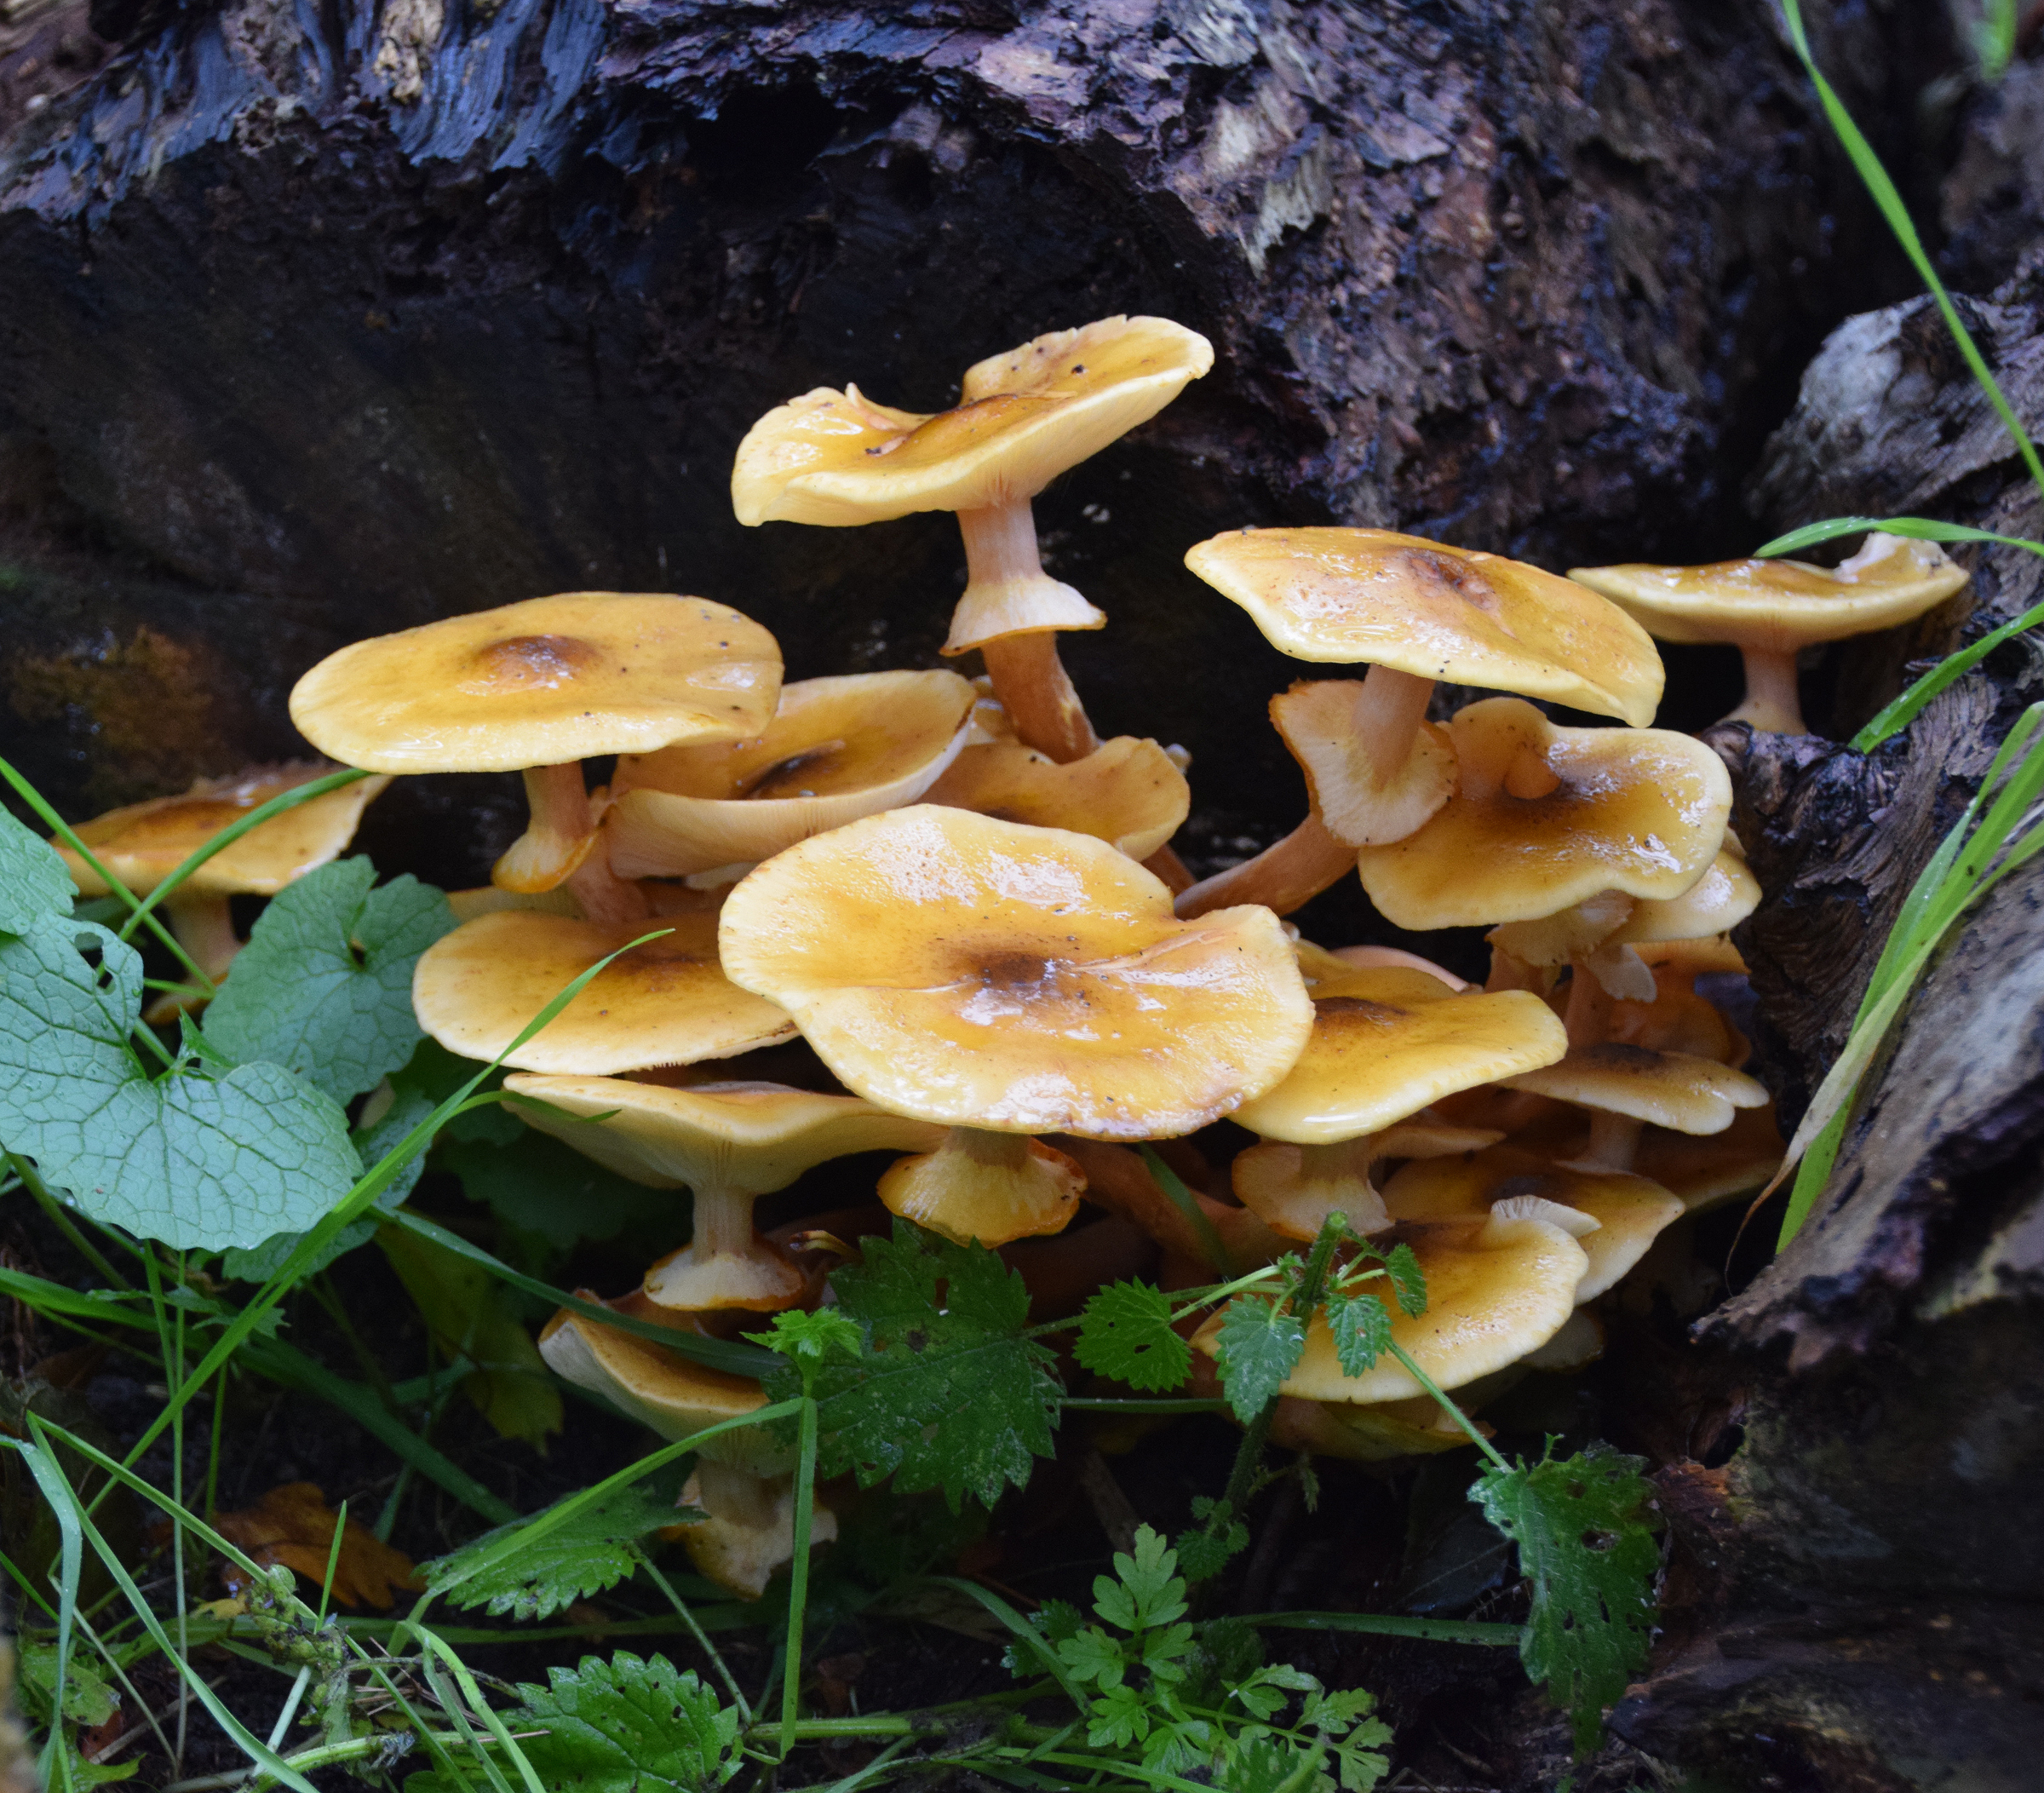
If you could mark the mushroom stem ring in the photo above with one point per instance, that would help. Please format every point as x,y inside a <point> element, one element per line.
<point>1005,578</point>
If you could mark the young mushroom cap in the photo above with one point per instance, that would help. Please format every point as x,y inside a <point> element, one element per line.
<point>1715,905</point>
<point>1629,1209</point>
<point>543,683</point>
<point>1126,792</point>
<point>1496,1289</point>
<point>990,1187</point>
<point>985,974</point>
<point>747,1530</point>
<point>666,1003</point>
<point>1770,609</point>
<point>1546,817</point>
<point>1667,1088</point>
<point>836,748</point>
<point>1706,1173</point>
<point>1689,960</point>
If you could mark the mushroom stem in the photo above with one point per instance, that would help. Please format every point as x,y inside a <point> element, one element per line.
<point>1510,972</point>
<point>1293,1189</point>
<point>1389,709</point>
<point>1588,1018</point>
<point>1772,705</point>
<point>1030,679</point>
<point>723,1223</point>
<point>724,1264</point>
<point>1614,1139</point>
<point>1283,877</point>
<point>560,831</point>
<point>204,927</point>
<point>1165,863</point>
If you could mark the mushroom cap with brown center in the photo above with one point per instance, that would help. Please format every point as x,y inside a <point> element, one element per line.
<point>1316,718</point>
<point>1352,595</point>
<point>1667,1088</point>
<point>1638,810</point>
<point>1496,1289</point>
<point>543,683</point>
<point>1386,1042</point>
<point>836,748</point>
<point>1781,606</point>
<point>1629,1209</point>
<point>1126,792</point>
<point>1023,418</point>
<point>141,844</point>
<point>751,1139</point>
<point>989,974</point>
<point>666,1003</point>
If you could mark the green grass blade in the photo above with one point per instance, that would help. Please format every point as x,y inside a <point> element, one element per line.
<point>1922,529</point>
<point>1187,1204</point>
<point>53,1301</point>
<point>798,1578</point>
<point>1026,1634</point>
<point>1393,1625</point>
<point>71,1564</point>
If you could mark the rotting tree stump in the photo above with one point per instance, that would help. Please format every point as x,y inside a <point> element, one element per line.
<point>320,321</point>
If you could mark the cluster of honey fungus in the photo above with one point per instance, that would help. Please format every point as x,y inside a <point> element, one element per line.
<point>967,905</point>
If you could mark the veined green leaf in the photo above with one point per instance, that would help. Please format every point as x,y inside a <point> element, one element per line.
<point>34,883</point>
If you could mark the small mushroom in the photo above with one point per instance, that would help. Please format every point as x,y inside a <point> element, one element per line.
<point>991,1187</point>
<point>1707,1172</point>
<point>1022,418</point>
<point>1628,1087</point>
<point>1117,1180</point>
<point>1368,1434</point>
<point>538,687</point>
<point>748,1528</point>
<point>836,750</point>
<point>665,1003</point>
<point>729,1143</point>
<point>1416,611</point>
<point>1546,817</point>
<point>1629,1209</point>
<point>141,844</point>
<point>1770,609</point>
<point>1496,1288</point>
<point>1386,1042</point>
<point>1126,792</point>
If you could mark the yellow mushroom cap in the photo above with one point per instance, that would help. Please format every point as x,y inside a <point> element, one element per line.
<point>1689,960</point>
<point>1629,1209</point>
<point>1388,1041</point>
<point>1780,605</point>
<point>1437,612</point>
<point>1642,811</point>
<point>543,683</point>
<point>1715,904</point>
<point>990,1187</point>
<point>1495,1289</point>
<point>1705,1173</point>
<point>1024,979</point>
<point>141,844</point>
<point>836,457</point>
<point>1315,719</point>
<point>1126,792</point>
<point>1373,1435</point>
<point>836,748</point>
<point>666,1003</point>
<point>1668,1088</point>
<point>751,1139</point>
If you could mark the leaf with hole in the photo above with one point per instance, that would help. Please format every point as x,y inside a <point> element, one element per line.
<point>1125,1334</point>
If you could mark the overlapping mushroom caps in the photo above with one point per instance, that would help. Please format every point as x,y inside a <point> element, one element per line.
<point>538,687</point>
<point>141,844</point>
<point>1023,418</point>
<point>988,975</point>
<point>1415,611</point>
<point>1770,610</point>
<point>1126,792</point>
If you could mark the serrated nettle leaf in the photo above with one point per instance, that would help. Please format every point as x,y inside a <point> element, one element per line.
<point>35,884</point>
<point>1586,1538</point>
<point>949,1395</point>
<point>626,1726</point>
<point>1261,1342</point>
<point>1125,1334</point>
<point>323,987</point>
<point>592,1551</point>
<point>1361,1330</point>
<point>194,1158</point>
<point>1408,1280</point>
<point>1059,1619</point>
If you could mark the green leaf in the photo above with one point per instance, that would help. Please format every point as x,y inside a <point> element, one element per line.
<point>1095,1658</point>
<point>1361,1330</point>
<point>949,1393</point>
<point>537,1185</point>
<point>1203,1554</point>
<point>1119,1718</point>
<point>1125,1333</point>
<point>1586,1542</point>
<point>323,987</point>
<point>1261,1342</point>
<point>620,1727</point>
<point>596,1549</point>
<point>192,1159</point>
<point>35,884</point>
<point>1145,1589</point>
<point>811,1338</point>
<point>90,1698</point>
<point>1408,1280</point>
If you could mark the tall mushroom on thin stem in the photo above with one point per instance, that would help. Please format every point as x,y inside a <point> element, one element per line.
<point>538,687</point>
<point>1023,418</point>
<point>1415,611</point>
<point>1770,610</point>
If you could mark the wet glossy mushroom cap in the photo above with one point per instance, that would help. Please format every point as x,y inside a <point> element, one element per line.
<point>1386,1042</point>
<point>1355,595</point>
<point>987,1187</point>
<point>1023,980</point>
<point>836,748</point>
<point>543,683</point>
<point>141,844</point>
<point>1547,817</point>
<point>1783,605</point>
<point>1023,418</point>
<point>1715,905</point>
<point>1706,1173</point>
<point>1667,1088</point>
<point>1315,719</point>
<point>1126,792</point>
<point>1678,1019</point>
<point>1496,1289</point>
<point>1629,1209</point>
<point>666,1003</point>
<point>1689,960</point>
